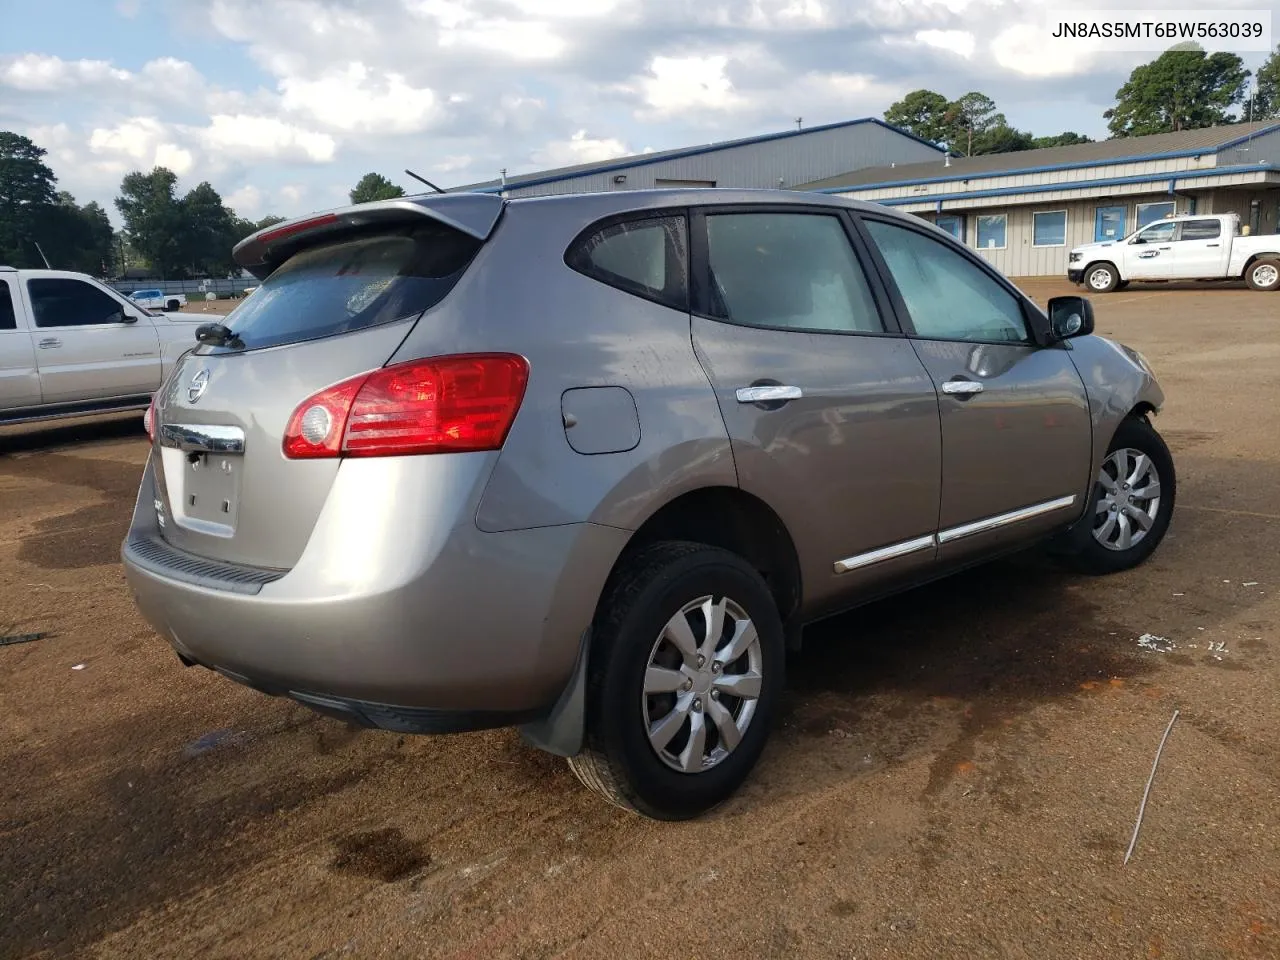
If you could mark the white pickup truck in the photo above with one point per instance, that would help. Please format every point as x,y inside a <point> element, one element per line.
<point>155,299</point>
<point>71,346</point>
<point>1188,247</point>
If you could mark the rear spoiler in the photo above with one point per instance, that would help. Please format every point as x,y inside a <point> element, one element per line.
<point>474,214</point>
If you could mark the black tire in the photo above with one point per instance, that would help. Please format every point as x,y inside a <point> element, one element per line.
<point>171,305</point>
<point>1269,269</point>
<point>617,759</point>
<point>1090,556</point>
<point>1113,278</point>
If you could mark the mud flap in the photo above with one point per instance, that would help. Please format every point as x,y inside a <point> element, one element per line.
<point>561,732</point>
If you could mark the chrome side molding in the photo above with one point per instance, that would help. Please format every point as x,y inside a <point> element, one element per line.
<point>1004,519</point>
<point>907,547</point>
<point>891,552</point>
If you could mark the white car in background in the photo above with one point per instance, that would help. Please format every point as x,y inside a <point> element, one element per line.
<point>156,299</point>
<point>1186,247</point>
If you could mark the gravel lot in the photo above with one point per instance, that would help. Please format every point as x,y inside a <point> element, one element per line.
<point>957,774</point>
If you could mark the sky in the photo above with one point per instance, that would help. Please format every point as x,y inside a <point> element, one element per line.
<point>283,104</point>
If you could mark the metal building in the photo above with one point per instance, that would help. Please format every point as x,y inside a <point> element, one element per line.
<point>1024,211</point>
<point>772,160</point>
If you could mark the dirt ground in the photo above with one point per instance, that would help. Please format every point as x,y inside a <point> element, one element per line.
<point>957,774</point>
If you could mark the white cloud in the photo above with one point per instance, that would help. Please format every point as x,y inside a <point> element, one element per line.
<point>248,137</point>
<point>41,73</point>
<point>128,8</point>
<point>956,41</point>
<point>247,201</point>
<point>578,149</point>
<point>679,84</point>
<point>354,100</point>
<point>143,142</point>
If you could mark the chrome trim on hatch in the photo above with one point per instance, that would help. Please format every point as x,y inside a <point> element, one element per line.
<point>206,438</point>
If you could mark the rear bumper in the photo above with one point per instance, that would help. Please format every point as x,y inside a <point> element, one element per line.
<point>397,615</point>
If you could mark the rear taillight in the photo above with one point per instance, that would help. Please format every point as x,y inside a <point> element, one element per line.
<point>441,405</point>
<point>149,419</point>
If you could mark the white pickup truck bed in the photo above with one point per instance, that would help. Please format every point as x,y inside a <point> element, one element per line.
<point>71,346</point>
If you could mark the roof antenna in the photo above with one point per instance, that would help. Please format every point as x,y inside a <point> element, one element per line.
<point>799,122</point>
<point>42,256</point>
<point>424,180</point>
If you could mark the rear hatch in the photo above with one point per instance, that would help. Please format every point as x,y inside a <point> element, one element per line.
<point>340,293</point>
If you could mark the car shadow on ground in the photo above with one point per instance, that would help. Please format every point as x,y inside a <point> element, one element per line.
<point>36,438</point>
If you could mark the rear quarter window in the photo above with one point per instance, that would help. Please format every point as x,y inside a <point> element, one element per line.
<point>645,256</point>
<point>353,284</point>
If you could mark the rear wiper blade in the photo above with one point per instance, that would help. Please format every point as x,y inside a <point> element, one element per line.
<point>218,335</point>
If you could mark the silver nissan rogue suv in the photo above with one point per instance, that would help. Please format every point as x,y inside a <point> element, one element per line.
<point>587,464</point>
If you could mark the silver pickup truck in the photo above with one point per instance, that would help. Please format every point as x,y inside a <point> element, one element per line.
<point>71,346</point>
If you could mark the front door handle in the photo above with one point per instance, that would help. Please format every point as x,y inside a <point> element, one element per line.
<point>1166,248</point>
<point>1213,244</point>
<point>49,343</point>
<point>962,388</point>
<point>766,393</point>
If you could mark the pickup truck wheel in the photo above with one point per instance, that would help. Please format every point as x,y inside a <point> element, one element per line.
<point>172,305</point>
<point>684,678</point>
<point>1263,275</point>
<point>1132,501</point>
<point>1102,278</point>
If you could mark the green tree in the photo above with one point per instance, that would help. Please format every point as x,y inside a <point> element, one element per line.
<point>153,216</point>
<point>268,221</point>
<point>969,118</point>
<point>374,186</point>
<point>1266,100</point>
<point>1182,89</point>
<point>1002,138</point>
<point>75,237</point>
<point>26,191</point>
<point>209,231</point>
<point>1061,140</point>
<point>922,112</point>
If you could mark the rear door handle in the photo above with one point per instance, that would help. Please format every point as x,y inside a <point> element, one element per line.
<point>962,388</point>
<point>1213,244</point>
<point>48,343</point>
<point>766,393</point>
<point>1166,248</point>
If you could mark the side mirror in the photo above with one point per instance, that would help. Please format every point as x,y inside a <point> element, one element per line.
<point>1070,317</point>
<point>1137,239</point>
<point>128,318</point>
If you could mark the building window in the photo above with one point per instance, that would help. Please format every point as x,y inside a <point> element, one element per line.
<point>1108,224</point>
<point>952,224</point>
<point>1049,229</point>
<point>1151,212</point>
<point>991,231</point>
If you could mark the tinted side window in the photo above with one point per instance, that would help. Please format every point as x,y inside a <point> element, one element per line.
<point>8,319</point>
<point>1159,233</point>
<point>791,270</point>
<point>948,297</point>
<point>645,257</point>
<point>1201,230</point>
<point>71,303</point>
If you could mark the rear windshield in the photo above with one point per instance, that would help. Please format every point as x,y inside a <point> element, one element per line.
<point>353,284</point>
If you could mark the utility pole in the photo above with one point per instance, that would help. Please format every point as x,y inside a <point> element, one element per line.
<point>799,122</point>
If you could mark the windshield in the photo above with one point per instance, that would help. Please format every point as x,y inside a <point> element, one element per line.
<point>353,284</point>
